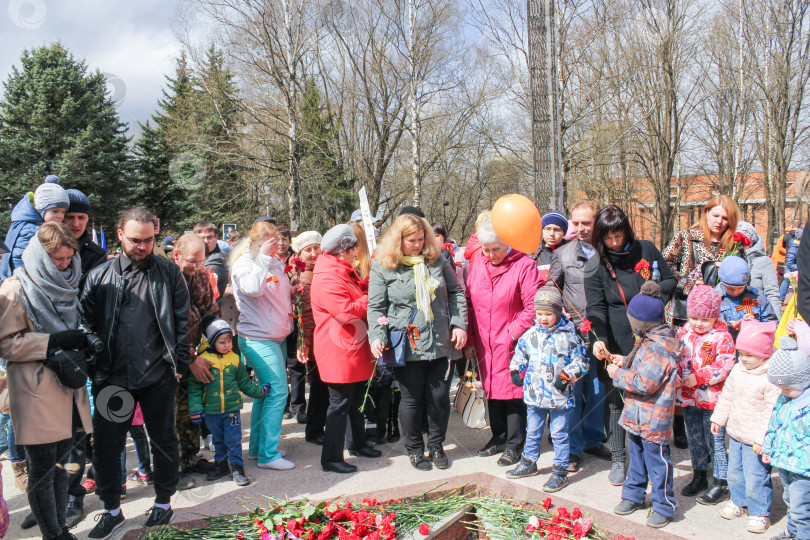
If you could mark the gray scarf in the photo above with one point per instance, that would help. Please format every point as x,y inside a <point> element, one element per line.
<point>50,296</point>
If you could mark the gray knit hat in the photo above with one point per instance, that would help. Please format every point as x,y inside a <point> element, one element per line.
<point>50,195</point>
<point>789,366</point>
<point>337,239</point>
<point>548,299</point>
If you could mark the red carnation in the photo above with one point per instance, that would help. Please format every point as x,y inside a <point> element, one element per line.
<point>585,327</point>
<point>642,265</point>
<point>547,503</point>
<point>311,534</point>
<point>576,514</point>
<point>448,246</point>
<point>424,529</point>
<point>299,264</point>
<point>288,269</point>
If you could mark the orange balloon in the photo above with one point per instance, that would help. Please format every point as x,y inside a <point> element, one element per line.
<point>517,222</point>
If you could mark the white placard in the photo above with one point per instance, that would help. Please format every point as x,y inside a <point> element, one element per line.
<point>368,224</point>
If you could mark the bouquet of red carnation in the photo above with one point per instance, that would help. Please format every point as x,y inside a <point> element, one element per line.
<point>738,247</point>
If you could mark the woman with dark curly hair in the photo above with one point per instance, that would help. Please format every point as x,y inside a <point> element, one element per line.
<point>612,278</point>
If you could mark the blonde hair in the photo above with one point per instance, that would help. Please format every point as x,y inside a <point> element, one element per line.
<point>188,241</point>
<point>733,211</point>
<point>586,203</point>
<point>482,217</point>
<point>53,235</point>
<point>389,254</point>
<point>260,230</point>
<point>363,262</point>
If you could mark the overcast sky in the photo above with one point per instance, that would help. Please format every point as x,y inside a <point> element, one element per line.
<point>131,41</point>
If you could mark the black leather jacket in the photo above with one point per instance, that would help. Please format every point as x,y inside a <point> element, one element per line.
<point>100,305</point>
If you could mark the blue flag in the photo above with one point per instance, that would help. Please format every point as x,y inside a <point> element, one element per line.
<point>103,242</point>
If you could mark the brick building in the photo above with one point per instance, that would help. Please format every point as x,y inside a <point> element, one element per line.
<point>695,192</point>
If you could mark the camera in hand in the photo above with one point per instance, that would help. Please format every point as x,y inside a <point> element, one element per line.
<point>71,355</point>
<point>92,343</point>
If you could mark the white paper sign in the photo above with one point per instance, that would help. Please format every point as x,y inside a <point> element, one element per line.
<point>368,224</point>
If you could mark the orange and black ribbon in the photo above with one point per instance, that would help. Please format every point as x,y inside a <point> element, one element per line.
<point>748,305</point>
<point>708,357</point>
<point>413,335</point>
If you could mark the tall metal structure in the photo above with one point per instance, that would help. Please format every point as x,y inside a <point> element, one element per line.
<point>545,104</point>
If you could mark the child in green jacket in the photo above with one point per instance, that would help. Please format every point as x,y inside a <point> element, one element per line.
<point>219,402</point>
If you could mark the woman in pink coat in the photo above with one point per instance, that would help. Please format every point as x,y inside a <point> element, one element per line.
<point>500,298</point>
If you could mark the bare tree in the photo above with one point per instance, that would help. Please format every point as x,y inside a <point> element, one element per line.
<point>778,37</point>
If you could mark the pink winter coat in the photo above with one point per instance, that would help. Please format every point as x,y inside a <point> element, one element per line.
<point>746,404</point>
<point>500,304</point>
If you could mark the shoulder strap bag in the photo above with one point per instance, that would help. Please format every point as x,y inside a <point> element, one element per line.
<point>397,349</point>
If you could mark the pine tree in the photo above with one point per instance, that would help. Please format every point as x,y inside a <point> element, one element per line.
<point>327,193</point>
<point>56,118</point>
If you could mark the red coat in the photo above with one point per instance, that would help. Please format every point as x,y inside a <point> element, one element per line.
<point>339,301</point>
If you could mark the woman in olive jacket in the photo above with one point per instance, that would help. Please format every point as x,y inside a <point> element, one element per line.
<point>612,278</point>
<point>409,277</point>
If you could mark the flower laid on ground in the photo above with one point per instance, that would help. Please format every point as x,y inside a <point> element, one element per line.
<point>424,529</point>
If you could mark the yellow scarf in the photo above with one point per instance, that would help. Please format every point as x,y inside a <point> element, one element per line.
<point>426,285</point>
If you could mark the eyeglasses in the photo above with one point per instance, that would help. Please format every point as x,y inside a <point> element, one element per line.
<point>190,263</point>
<point>139,241</point>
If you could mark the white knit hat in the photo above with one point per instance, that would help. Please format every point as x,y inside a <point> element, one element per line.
<point>306,238</point>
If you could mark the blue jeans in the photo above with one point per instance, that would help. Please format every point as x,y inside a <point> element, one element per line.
<point>558,425</point>
<point>649,460</point>
<point>5,420</point>
<point>797,499</point>
<point>226,430</point>
<point>269,361</point>
<point>138,434</point>
<point>749,479</point>
<point>15,453</point>
<point>702,442</point>
<point>783,290</point>
<point>586,422</point>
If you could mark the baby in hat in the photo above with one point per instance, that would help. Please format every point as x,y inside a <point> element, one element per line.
<point>739,299</point>
<point>787,443</point>
<point>548,356</point>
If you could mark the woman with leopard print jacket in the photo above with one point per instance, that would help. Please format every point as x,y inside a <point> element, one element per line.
<point>706,241</point>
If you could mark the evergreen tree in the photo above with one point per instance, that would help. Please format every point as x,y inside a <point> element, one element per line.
<point>56,118</point>
<point>327,192</point>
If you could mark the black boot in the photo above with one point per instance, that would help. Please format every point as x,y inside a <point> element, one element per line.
<point>526,467</point>
<point>679,433</point>
<point>717,493</point>
<point>699,483</point>
<point>75,511</point>
<point>221,469</point>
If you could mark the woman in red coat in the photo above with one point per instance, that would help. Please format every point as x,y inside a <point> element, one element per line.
<point>339,300</point>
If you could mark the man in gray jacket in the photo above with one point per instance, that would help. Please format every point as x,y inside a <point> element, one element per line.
<point>567,272</point>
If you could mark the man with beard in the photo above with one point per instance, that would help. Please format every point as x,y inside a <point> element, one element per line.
<point>189,256</point>
<point>137,304</point>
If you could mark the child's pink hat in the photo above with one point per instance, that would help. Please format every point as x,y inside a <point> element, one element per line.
<point>703,301</point>
<point>756,337</point>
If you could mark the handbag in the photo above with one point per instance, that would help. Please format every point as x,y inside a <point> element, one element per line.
<point>677,306</point>
<point>470,402</point>
<point>70,367</point>
<point>396,351</point>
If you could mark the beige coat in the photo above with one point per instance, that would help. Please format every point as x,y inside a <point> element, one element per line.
<point>41,408</point>
<point>746,404</point>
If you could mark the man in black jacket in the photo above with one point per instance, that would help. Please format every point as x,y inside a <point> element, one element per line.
<point>803,291</point>
<point>137,304</point>
<point>214,259</point>
<point>91,255</point>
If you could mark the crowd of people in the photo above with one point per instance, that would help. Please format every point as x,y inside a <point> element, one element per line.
<point>618,348</point>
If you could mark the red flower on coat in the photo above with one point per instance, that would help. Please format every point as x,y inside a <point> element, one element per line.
<point>643,268</point>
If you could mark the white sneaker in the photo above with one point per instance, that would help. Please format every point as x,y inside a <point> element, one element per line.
<point>209,443</point>
<point>732,511</point>
<point>758,524</point>
<point>279,464</point>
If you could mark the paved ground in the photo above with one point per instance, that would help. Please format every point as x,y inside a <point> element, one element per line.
<point>588,487</point>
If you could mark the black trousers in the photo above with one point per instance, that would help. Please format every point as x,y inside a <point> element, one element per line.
<point>344,409</point>
<point>47,485</point>
<point>507,420</point>
<point>78,457</point>
<point>297,377</point>
<point>616,435</point>
<point>424,384</point>
<point>110,433</point>
<point>318,404</point>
